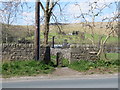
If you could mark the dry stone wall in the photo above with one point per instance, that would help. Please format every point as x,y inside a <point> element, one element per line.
<point>83,54</point>
<point>20,52</point>
<point>17,51</point>
<point>78,53</point>
<point>26,52</point>
<point>65,52</point>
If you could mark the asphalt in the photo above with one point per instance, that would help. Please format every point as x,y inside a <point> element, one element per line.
<point>89,81</point>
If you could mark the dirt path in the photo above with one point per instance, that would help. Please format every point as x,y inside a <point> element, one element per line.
<point>65,71</point>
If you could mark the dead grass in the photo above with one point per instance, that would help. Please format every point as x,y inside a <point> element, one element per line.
<point>78,27</point>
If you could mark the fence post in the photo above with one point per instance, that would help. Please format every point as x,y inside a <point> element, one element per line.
<point>53,41</point>
<point>59,59</point>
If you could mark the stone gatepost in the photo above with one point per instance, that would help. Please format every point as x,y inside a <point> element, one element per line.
<point>59,59</point>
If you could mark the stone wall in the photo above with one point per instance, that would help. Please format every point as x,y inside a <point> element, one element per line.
<point>20,52</point>
<point>17,51</point>
<point>78,53</point>
<point>65,52</point>
<point>83,53</point>
<point>26,52</point>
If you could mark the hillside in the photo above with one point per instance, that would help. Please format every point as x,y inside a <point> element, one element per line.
<point>27,32</point>
<point>99,28</point>
<point>13,33</point>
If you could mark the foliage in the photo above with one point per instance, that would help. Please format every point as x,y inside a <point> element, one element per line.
<point>32,67</point>
<point>25,68</point>
<point>99,66</point>
<point>84,65</point>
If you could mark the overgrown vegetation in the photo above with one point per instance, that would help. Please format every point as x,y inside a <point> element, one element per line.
<point>26,68</point>
<point>99,66</point>
<point>91,67</point>
<point>33,68</point>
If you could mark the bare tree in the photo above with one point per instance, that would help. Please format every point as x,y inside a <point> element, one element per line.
<point>94,6</point>
<point>9,12</point>
<point>48,12</point>
<point>7,16</point>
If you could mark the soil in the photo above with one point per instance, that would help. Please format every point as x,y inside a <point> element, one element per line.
<point>65,71</point>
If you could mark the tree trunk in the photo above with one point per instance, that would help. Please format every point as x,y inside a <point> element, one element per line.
<point>46,33</point>
<point>102,54</point>
<point>46,29</point>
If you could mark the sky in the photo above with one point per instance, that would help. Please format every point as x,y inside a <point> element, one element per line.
<point>71,11</point>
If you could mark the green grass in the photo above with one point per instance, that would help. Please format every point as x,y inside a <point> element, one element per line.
<point>112,56</point>
<point>96,38</point>
<point>65,28</point>
<point>101,66</point>
<point>33,68</point>
<point>26,68</point>
<point>59,38</point>
<point>77,38</point>
<point>84,66</point>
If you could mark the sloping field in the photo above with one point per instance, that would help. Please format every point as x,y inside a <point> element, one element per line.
<point>99,30</point>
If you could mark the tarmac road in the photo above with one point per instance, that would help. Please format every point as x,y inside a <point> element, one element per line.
<point>103,82</point>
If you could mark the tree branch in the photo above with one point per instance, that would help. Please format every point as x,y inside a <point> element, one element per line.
<point>47,5</point>
<point>56,23</point>
<point>52,6</point>
<point>42,6</point>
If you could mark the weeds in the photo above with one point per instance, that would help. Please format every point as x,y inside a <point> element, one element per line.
<point>32,67</point>
<point>26,68</point>
<point>84,65</point>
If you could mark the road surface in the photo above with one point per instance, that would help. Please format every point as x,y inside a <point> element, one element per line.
<point>103,82</point>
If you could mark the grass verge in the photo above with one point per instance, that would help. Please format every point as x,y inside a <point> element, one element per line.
<point>25,68</point>
<point>33,68</point>
<point>99,66</point>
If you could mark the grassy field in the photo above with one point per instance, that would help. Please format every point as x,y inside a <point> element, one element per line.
<point>98,32</point>
<point>113,56</point>
<point>59,38</point>
<point>27,32</point>
<point>78,39</point>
